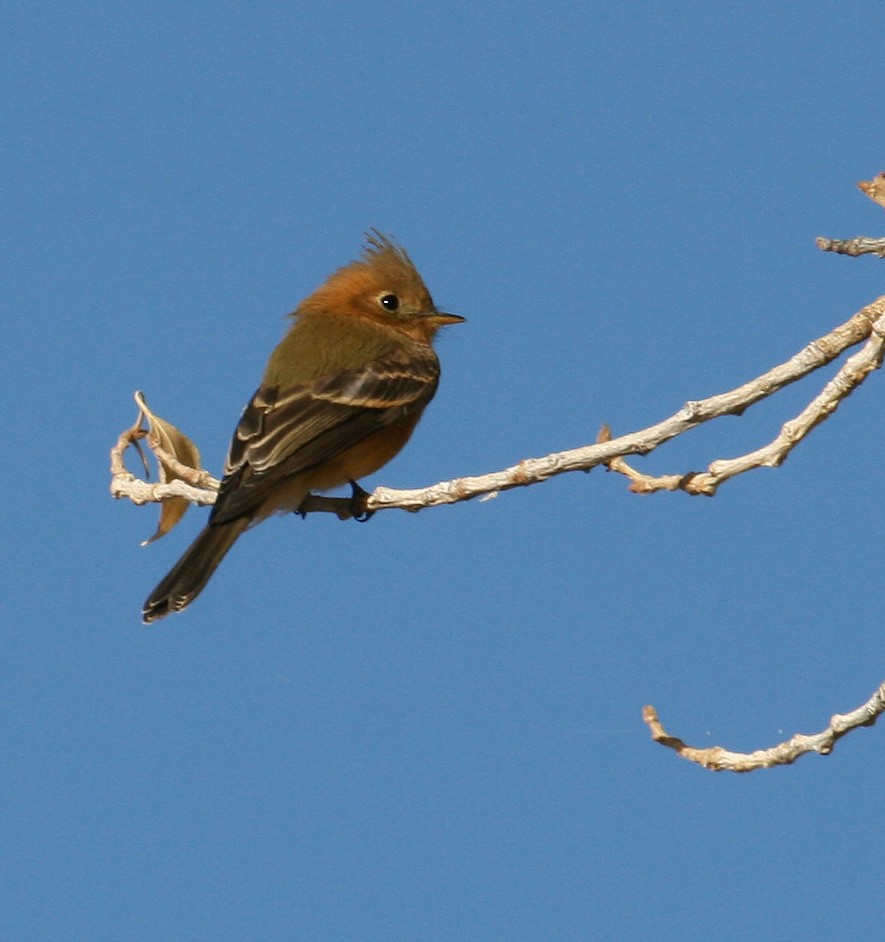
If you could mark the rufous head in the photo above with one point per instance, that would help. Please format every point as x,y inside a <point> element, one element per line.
<point>383,285</point>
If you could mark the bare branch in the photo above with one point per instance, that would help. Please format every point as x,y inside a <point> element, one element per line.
<point>861,245</point>
<point>867,323</point>
<point>854,371</point>
<point>719,759</point>
<point>125,484</point>
<point>532,470</point>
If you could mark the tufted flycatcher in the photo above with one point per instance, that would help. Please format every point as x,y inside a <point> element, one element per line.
<point>340,397</point>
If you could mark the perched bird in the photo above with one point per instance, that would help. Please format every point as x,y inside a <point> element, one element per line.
<point>340,397</point>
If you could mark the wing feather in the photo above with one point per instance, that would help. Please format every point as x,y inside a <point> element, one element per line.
<point>285,433</point>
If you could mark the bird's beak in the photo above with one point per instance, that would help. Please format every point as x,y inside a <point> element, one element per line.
<point>440,318</point>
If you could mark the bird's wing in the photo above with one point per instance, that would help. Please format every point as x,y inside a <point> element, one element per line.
<point>284,432</point>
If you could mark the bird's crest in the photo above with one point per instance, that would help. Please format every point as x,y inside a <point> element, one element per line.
<point>383,266</point>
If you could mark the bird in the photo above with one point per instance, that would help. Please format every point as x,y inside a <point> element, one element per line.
<point>340,397</point>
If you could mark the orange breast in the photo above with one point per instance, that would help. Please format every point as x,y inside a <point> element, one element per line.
<point>363,458</point>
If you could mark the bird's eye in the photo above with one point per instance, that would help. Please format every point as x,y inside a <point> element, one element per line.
<point>389,301</point>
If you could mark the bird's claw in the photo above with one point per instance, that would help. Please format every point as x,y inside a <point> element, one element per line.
<point>358,500</point>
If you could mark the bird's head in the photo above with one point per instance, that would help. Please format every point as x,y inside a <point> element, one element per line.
<point>384,286</point>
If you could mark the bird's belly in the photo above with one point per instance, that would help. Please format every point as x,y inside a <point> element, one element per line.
<point>363,458</point>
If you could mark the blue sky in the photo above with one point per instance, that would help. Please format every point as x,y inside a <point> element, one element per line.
<point>428,727</point>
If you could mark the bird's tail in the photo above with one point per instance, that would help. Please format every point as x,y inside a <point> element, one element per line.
<point>188,577</point>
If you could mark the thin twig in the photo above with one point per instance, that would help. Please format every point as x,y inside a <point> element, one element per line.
<point>852,373</point>
<point>125,484</point>
<point>861,245</point>
<point>719,759</point>
<point>532,470</point>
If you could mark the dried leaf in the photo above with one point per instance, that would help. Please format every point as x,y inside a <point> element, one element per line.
<point>875,188</point>
<point>168,439</point>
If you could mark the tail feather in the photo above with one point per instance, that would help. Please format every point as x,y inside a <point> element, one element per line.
<point>188,577</point>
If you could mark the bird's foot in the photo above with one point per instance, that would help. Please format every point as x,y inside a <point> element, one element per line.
<point>358,503</point>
